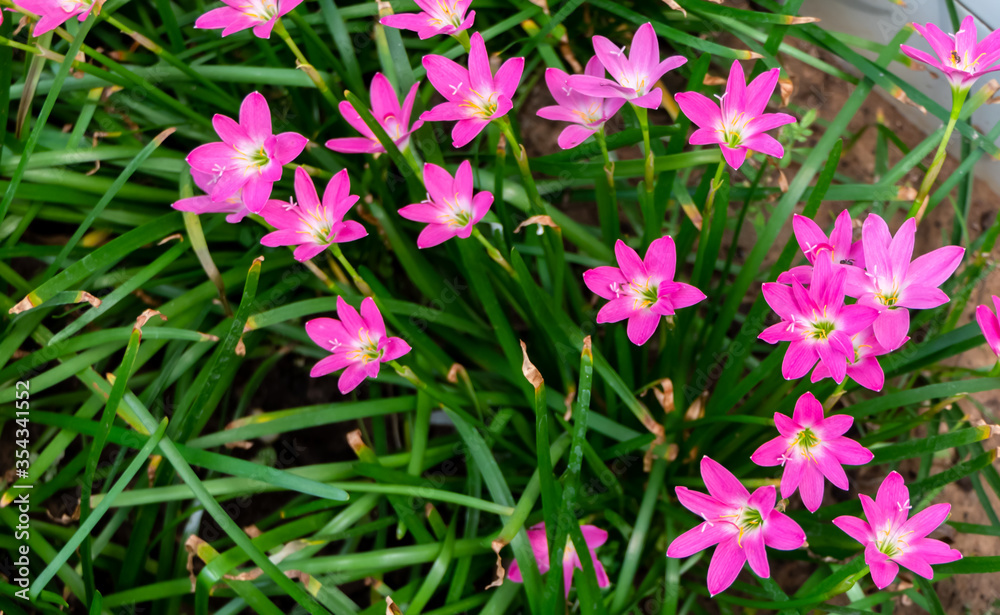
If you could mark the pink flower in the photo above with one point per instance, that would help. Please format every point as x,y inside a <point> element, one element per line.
<point>592,535</point>
<point>892,540</point>
<point>813,241</point>
<point>239,15</point>
<point>741,125</point>
<point>204,204</point>
<point>641,290</point>
<point>864,368</point>
<point>437,17</point>
<point>587,113</point>
<point>960,57</point>
<point>810,448</point>
<point>358,342</point>
<point>989,322</point>
<point>55,13</point>
<point>474,96</point>
<point>450,210</point>
<point>892,283</point>
<point>312,225</point>
<point>635,75</point>
<point>393,118</point>
<point>816,322</point>
<point>249,156</point>
<point>741,523</point>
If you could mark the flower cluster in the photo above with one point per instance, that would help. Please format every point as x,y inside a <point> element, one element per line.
<point>878,273</point>
<point>847,305</point>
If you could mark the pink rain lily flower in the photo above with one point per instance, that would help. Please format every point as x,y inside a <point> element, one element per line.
<point>634,76</point>
<point>474,95</point>
<point>741,125</point>
<point>238,15</point>
<point>740,523</point>
<point>592,535</point>
<point>810,448</point>
<point>863,368</point>
<point>313,225</point>
<point>249,156</point>
<point>989,322</point>
<point>641,290</point>
<point>960,57</point>
<point>358,342</point>
<point>587,113</point>
<point>451,210</point>
<point>54,13</point>
<point>892,284</point>
<point>816,322</point>
<point>813,241</point>
<point>203,204</point>
<point>436,17</point>
<point>891,540</point>
<point>393,118</point>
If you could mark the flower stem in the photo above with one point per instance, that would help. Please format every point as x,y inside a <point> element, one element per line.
<point>958,96</point>
<point>716,184</point>
<point>463,38</point>
<point>834,397</point>
<point>608,207</point>
<point>304,64</point>
<point>493,252</point>
<point>362,286</point>
<point>522,162</point>
<point>411,160</point>
<point>648,210</point>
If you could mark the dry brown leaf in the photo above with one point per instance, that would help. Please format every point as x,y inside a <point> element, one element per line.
<point>355,441</point>
<point>901,96</point>
<point>782,181</point>
<point>154,464</point>
<point>176,236</point>
<point>501,574</point>
<point>144,318</point>
<point>713,80</point>
<point>529,370</point>
<point>673,4</point>
<point>906,193</point>
<point>391,608</point>
<point>665,394</point>
<point>568,402</point>
<point>786,87</point>
<point>453,373</point>
<point>539,220</point>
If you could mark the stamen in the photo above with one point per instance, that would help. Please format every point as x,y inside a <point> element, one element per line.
<point>618,52</point>
<point>904,505</point>
<point>455,88</point>
<point>567,90</point>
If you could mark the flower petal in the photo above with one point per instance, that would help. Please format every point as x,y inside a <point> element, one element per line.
<point>700,110</point>
<point>781,533</point>
<point>602,281</point>
<point>811,486</point>
<point>642,325</point>
<point>727,561</point>
<point>330,364</point>
<point>856,528</point>
<point>891,327</point>
<point>799,359</point>
<point>753,544</point>
<point>808,411</point>
<point>721,483</point>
